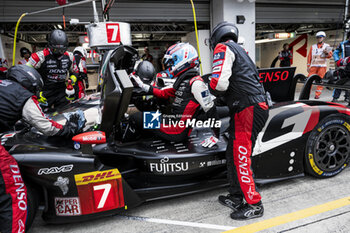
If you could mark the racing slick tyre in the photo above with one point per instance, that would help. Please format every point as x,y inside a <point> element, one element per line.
<point>32,205</point>
<point>328,147</point>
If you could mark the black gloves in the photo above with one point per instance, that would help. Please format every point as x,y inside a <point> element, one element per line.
<point>71,127</point>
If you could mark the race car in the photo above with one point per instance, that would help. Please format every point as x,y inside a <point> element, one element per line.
<point>98,173</point>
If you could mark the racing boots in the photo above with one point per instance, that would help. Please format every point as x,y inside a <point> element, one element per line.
<point>247,211</point>
<point>231,201</point>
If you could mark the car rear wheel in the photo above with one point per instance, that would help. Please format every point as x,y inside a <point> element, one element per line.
<point>328,147</point>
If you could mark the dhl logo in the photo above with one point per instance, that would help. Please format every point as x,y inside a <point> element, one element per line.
<point>97,176</point>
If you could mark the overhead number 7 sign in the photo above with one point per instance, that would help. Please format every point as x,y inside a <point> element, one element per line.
<point>100,191</point>
<point>113,32</point>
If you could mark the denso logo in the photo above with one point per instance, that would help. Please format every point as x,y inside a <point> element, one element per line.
<point>20,188</point>
<point>54,170</point>
<point>98,176</point>
<point>165,167</point>
<point>274,76</point>
<point>243,165</point>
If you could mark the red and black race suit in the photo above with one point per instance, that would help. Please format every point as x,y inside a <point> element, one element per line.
<point>54,71</point>
<point>236,78</point>
<point>79,87</point>
<point>184,107</point>
<point>13,195</point>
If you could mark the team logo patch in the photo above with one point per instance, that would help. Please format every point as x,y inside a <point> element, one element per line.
<point>217,63</point>
<point>62,183</point>
<point>219,56</point>
<point>67,206</point>
<point>216,69</point>
<point>151,120</point>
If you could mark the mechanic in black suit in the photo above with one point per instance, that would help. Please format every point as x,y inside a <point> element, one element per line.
<point>236,79</point>
<point>18,100</point>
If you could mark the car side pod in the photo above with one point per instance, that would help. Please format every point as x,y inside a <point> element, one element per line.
<point>92,137</point>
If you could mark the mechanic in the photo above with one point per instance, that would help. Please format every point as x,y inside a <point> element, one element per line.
<point>285,56</point>
<point>18,100</point>
<point>53,64</point>
<point>317,59</point>
<point>80,55</point>
<point>189,90</point>
<point>236,79</point>
<point>341,57</point>
<point>25,54</point>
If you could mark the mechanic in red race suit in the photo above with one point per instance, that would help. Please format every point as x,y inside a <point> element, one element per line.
<point>80,55</point>
<point>189,91</point>
<point>54,64</point>
<point>18,100</point>
<point>235,78</point>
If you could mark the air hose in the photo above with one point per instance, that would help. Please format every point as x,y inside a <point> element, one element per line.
<point>196,31</point>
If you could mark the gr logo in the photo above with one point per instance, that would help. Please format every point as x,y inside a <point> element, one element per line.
<point>151,120</point>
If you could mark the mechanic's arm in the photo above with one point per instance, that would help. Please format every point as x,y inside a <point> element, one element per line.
<point>33,114</point>
<point>36,60</point>
<point>165,93</point>
<point>201,93</point>
<point>309,57</point>
<point>337,52</point>
<point>222,69</point>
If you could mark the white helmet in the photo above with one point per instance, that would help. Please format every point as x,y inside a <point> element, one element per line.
<point>321,34</point>
<point>81,50</point>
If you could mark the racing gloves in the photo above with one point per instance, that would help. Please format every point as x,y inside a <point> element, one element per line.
<point>71,127</point>
<point>210,142</point>
<point>138,83</point>
<point>41,98</point>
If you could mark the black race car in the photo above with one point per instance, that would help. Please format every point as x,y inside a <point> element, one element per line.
<point>98,173</point>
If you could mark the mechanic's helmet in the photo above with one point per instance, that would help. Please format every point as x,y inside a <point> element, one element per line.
<point>145,70</point>
<point>27,76</point>
<point>179,58</point>
<point>320,34</point>
<point>222,32</point>
<point>24,51</point>
<point>81,50</point>
<point>58,42</point>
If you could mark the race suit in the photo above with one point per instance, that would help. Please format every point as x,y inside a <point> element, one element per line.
<point>16,103</point>
<point>3,65</point>
<point>54,71</point>
<point>79,87</point>
<point>342,51</point>
<point>191,93</point>
<point>317,62</point>
<point>23,61</point>
<point>285,58</point>
<point>236,79</point>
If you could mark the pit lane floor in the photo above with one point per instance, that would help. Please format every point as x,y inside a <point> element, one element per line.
<point>202,213</point>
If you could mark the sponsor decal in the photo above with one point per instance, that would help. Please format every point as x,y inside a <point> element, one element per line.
<point>10,135</point>
<point>273,76</point>
<point>217,69</point>
<point>218,56</point>
<point>20,188</point>
<point>165,167</point>
<point>21,226</point>
<point>313,165</point>
<point>347,125</point>
<point>243,166</point>
<point>250,193</point>
<point>217,63</point>
<point>67,206</point>
<point>215,75</point>
<point>54,170</point>
<point>62,183</point>
<point>91,138</point>
<point>97,176</point>
<point>151,120</point>
<point>100,191</point>
<point>216,162</point>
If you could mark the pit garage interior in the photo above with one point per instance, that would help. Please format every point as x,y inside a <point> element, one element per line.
<point>304,204</point>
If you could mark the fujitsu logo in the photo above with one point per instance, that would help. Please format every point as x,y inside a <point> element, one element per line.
<point>164,167</point>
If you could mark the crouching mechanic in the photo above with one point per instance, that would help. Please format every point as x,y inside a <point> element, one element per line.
<point>189,91</point>
<point>236,79</point>
<point>54,64</point>
<point>18,101</point>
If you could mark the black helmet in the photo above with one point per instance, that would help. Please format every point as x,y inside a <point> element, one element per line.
<point>58,42</point>
<point>24,51</point>
<point>145,70</point>
<point>27,76</point>
<point>222,32</point>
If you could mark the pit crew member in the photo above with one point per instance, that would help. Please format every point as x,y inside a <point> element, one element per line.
<point>54,63</point>
<point>25,54</point>
<point>189,91</point>
<point>317,59</point>
<point>18,100</point>
<point>80,55</point>
<point>235,78</point>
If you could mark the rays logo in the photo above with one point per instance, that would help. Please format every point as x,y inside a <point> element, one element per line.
<point>151,120</point>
